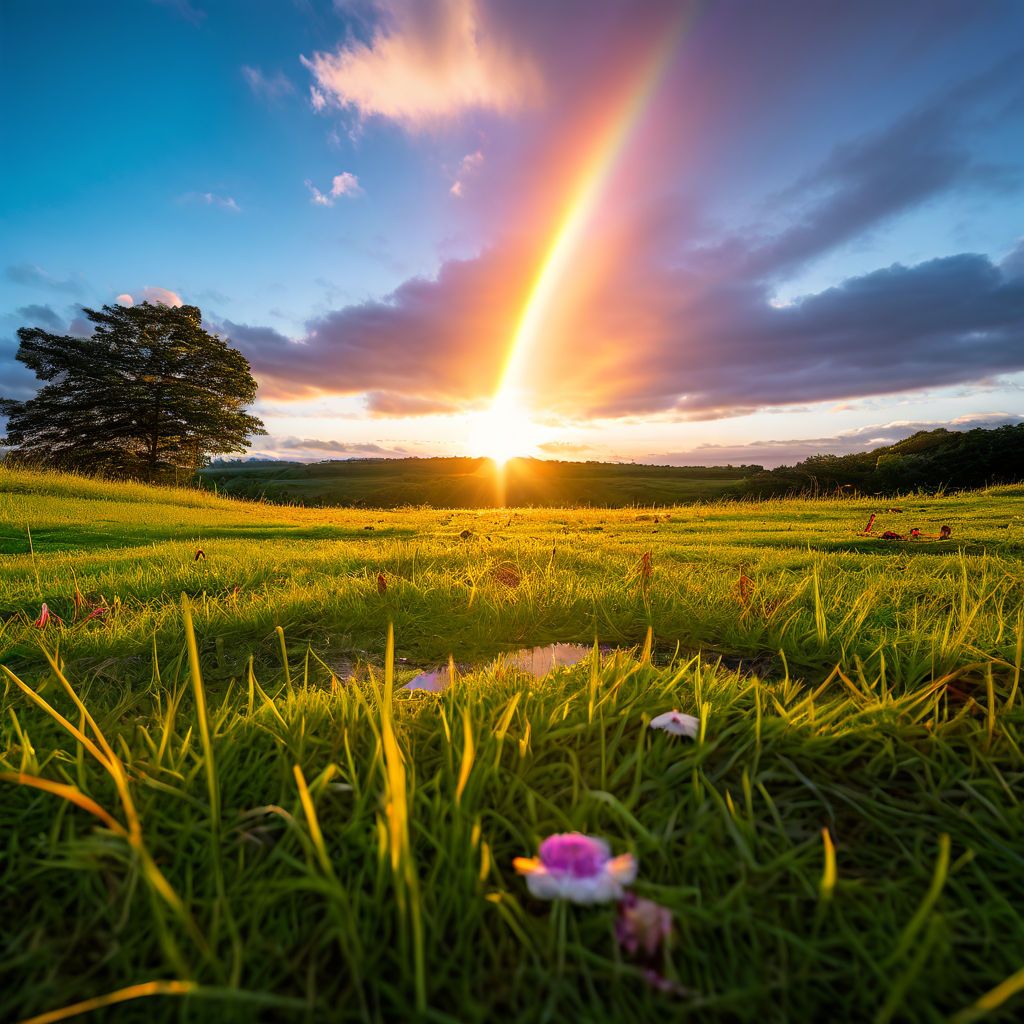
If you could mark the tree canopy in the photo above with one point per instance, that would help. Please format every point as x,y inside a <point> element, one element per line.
<point>928,461</point>
<point>150,392</point>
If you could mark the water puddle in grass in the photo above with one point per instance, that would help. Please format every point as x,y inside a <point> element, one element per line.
<point>532,661</point>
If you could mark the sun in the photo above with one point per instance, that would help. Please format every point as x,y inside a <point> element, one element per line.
<point>504,431</point>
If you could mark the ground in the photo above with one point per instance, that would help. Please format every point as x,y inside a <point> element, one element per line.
<point>263,821</point>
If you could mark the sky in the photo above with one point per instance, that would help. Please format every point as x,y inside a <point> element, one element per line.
<point>674,232</point>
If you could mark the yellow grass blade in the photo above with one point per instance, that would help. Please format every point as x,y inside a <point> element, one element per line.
<point>828,875</point>
<point>58,717</point>
<point>122,995</point>
<point>992,999</point>
<point>70,793</point>
<point>468,753</point>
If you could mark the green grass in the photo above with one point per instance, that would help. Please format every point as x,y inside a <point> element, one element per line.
<point>290,844</point>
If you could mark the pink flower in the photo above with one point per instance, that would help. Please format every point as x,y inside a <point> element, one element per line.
<point>677,723</point>
<point>575,867</point>
<point>642,925</point>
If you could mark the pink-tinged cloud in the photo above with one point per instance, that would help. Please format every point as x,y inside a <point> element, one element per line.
<point>660,311</point>
<point>395,404</point>
<point>312,449</point>
<point>469,165</point>
<point>156,296</point>
<point>440,339</point>
<point>344,184</point>
<point>426,63</point>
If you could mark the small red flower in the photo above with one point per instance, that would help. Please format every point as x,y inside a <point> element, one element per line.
<point>382,583</point>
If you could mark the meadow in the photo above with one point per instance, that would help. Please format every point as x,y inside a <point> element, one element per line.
<point>219,803</point>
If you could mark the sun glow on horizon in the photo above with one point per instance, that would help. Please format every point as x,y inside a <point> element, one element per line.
<point>505,431</point>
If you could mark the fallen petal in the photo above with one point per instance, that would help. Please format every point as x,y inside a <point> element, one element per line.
<point>677,723</point>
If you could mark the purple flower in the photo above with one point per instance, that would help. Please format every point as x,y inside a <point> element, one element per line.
<point>575,867</point>
<point>642,925</point>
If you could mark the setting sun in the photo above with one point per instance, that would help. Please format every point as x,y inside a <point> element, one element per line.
<point>504,431</point>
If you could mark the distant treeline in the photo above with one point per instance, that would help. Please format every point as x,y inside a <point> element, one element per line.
<point>471,483</point>
<point>928,461</point>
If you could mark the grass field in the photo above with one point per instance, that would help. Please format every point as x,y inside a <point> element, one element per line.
<point>261,826</point>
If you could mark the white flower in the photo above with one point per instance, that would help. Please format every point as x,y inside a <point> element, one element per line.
<point>677,723</point>
<point>575,867</point>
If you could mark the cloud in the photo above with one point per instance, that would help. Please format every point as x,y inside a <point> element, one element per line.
<point>664,312</point>
<point>387,403</point>
<point>317,100</point>
<point>660,341</point>
<point>151,294</point>
<point>270,88</point>
<point>866,181</point>
<point>444,338</point>
<point>183,9</point>
<point>16,380</point>
<point>211,199</point>
<point>34,276</point>
<point>40,316</point>
<point>468,167</point>
<point>344,184</point>
<point>786,452</point>
<point>426,63</point>
<point>309,449</point>
<point>567,448</point>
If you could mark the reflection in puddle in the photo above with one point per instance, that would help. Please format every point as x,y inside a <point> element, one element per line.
<point>433,681</point>
<point>533,661</point>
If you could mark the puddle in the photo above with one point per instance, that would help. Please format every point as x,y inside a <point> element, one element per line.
<point>539,661</point>
<point>533,661</point>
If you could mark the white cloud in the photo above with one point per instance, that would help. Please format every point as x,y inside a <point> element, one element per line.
<point>344,184</point>
<point>268,87</point>
<point>212,199</point>
<point>317,100</point>
<point>424,64</point>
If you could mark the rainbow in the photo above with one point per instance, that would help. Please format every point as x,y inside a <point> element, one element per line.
<point>566,239</point>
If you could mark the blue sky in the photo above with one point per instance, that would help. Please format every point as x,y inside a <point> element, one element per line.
<point>807,237</point>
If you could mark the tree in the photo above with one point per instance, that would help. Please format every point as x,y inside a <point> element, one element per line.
<point>148,393</point>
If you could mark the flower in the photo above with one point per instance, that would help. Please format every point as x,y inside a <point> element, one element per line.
<point>575,867</point>
<point>677,723</point>
<point>642,925</point>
